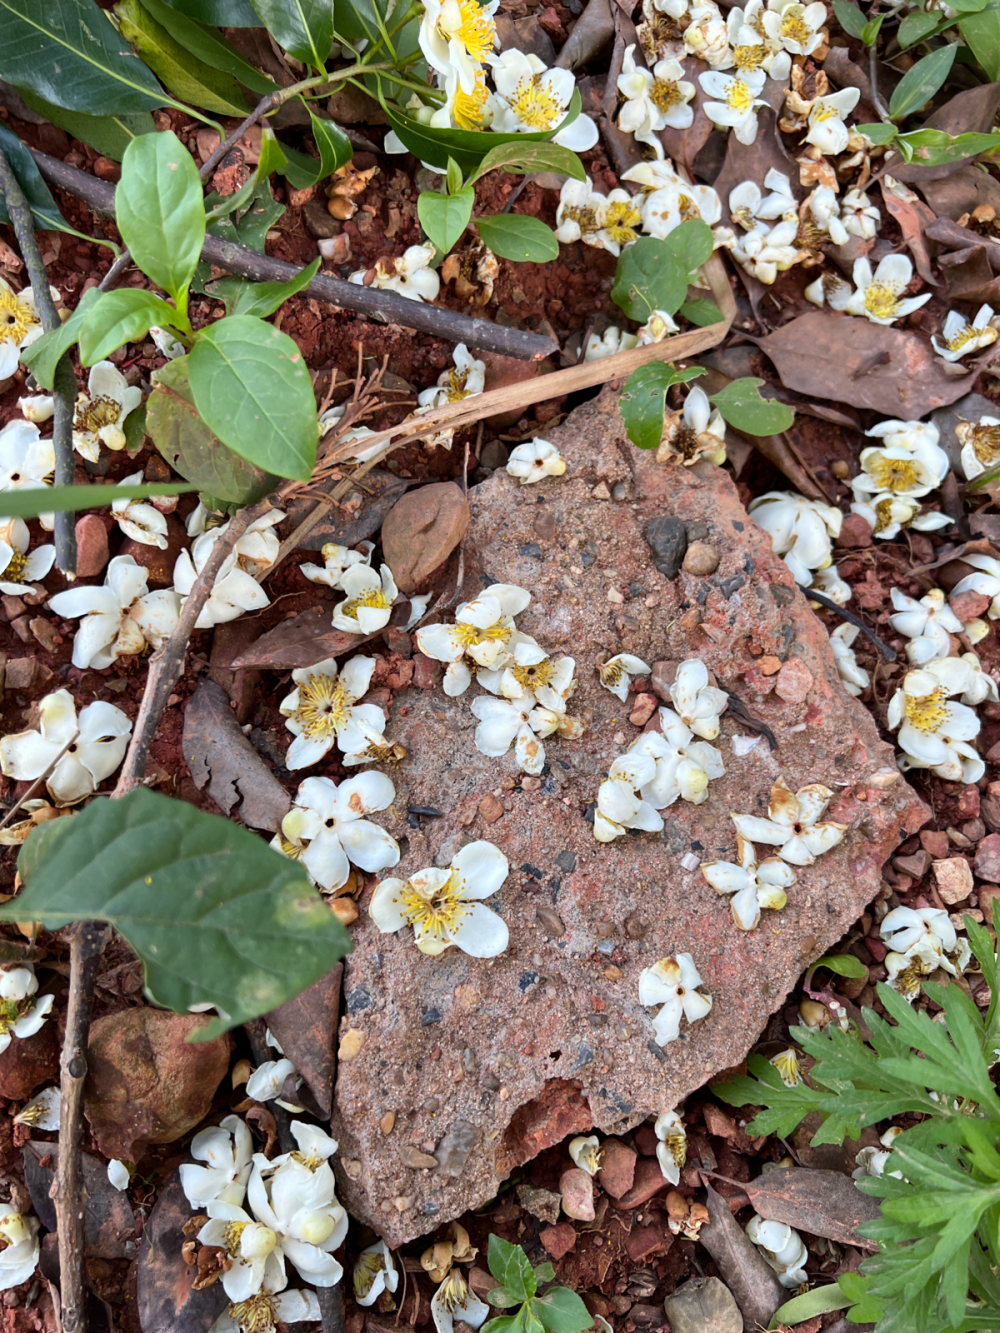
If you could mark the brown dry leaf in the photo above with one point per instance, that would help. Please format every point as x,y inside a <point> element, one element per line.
<point>685,145</point>
<point>302,641</point>
<point>823,1203</point>
<point>755,1287</point>
<point>306,1029</point>
<point>221,757</point>
<point>966,188</point>
<point>592,32</point>
<point>913,217</point>
<point>165,1299</point>
<point>107,1218</point>
<point>968,112</point>
<point>822,354</point>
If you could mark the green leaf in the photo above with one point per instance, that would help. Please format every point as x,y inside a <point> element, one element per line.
<point>818,1301</point>
<point>936,148</point>
<point>643,400</point>
<point>191,448</point>
<point>522,239</point>
<point>871,30</point>
<point>701,312</point>
<point>253,222</point>
<point>160,211</point>
<point>209,46</point>
<point>300,169</point>
<point>444,217</point>
<point>120,317</point>
<point>850,18</point>
<point>264,298</point>
<point>44,208</point>
<point>915,27</point>
<point>220,13</point>
<point>982,32</point>
<point>523,158</point>
<point>919,84</point>
<point>649,277</point>
<point>303,28</point>
<point>878,131</point>
<point>252,387</point>
<point>44,355</point>
<point>691,244</point>
<point>500,1299</point>
<point>843,964</point>
<point>68,52</point>
<point>187,77</point>
<point>32,501</point>
<point>504,1323</point>
<point>110,135</point>
<point>216,916</point>
<point>508,1264</point>
<point>544,1273</point>
<point>562,1311</point>
<point>742,406</point>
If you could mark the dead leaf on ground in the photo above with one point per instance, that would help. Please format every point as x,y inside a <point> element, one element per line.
<point>306,1029</point>
<point>754,160</point>
<point>165,1298</point>
<point>592,32</point>
<point>961,192</point>
<point>755,1287</point>
<point>826,355</point>
<point>348,524</point>
<point>221,757</point>
<point>968,112</point>
<point>683,146</point>
<point>823,1203</point>
<point>107,1216</point>
<point>302,641</point>
<point>913,216</point>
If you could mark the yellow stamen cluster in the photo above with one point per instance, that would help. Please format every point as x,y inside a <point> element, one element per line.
<point>231,1236</point>
<point>749,57</point>
<point>883,515</point>
<point>739,96</point>
<point>470,636</point>
<point>621,221</point>
<point>366,1270</point>
<point>12,1010</point>
<point>787,1065</point>
<point>926,712</point>
<point>536,104</point>
<point>585,218</point>
<point>16,317</point>
<point>986,443</point>
<point>310,1161</point>
<point>664,94</point>
<point>534,676</point>
<point>15,566</point>
<point>374,597</point>
<point>93,413</point>
<point>456,389</point>
<point>676,1142</point>
<point>907,982</point>
<point>894,474</point>
<point>292,850</point>
<point>477,32</point>
<point>324,705</point>
<point>256,1314</point>
<point>610,673</point>
<point>453,1292</point>
<point>440,914</point>
<point>469,109</point>
<point>824,111</point>
<point>963,336</point>
<point>794,28</point>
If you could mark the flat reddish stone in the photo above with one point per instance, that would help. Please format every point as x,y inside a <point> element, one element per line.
<point>968,803</point>
<point>987,864</point>
<point>558,1240</point>
<point>91,546</point>
<point>794,681</point>
<point>649,1181</point>
<point>936,842</point>
<point>26,1065</point>
<point>968,605</point>
<point>854,532</point>
<point>617,1168</point>
<point>641,1242</point>
<point>426,671</point>
<point>422,529</point>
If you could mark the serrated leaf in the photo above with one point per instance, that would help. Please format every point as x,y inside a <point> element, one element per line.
<point>120,317</point>
<point>643,400</point>
<point>187,77</point>
<point>818,1301</point>
<point>850,18</point>
<point>32,501</point>
<point>210,47</point>
<point>561,1311</point>
<point>216,916</point>
<point>44,354</point>
<point>251,386</point>
<point>742,406</point>
<point>982,32</point>
<point>519,238</point>
<point>510,1266</point>
<point>68,52</point>
<point>523,158</point>
<point>844,965</point>
<point>444,217</point>
<point>110,135</point>
<point>159,210</point>
<point>919,84</point>
<point>303,28</point>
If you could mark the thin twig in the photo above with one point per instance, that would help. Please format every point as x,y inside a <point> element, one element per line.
<point>42,777</point>
<point>813,596</point>
<point>19,211</point>
<point>880,106</point>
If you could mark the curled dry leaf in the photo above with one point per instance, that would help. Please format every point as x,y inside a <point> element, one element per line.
<point>221,757</point>
<point>306,1028</point>
<point>299,642</point>
<point>165,1298</point>
<point>913,217</point>
<point>107,1218</point>
<point>822,1203</point>
<point>755,1287</point>
<point>592,31</point>
<point>967,187</point>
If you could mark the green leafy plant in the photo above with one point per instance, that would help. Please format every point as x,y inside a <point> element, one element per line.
<point>555,1310</point>
<point>938,1239</point>
<point>643,404</point>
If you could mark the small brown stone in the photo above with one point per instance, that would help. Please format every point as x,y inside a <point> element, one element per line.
<point>21,628</point>
<point>388,1122</point>
<point>988,894</point>
<point>91,546</point>
<point>558,1240</point>
<point>617,1168</point>
<point>21,673</point>
<point>491,809</point>
<point>426,671</point>
<point>550,922</point>
<point>936,842</point>
<point>769,666</point>
<point>968,605</point>
<point>854,532</point>
<point>968,803</point>
<point>645,707</point>
<point>107,170</point>
<point>954,879</point>
<point>417,1160</point>
<point>794,682</point>
<point>421,530</point>
<point>917,864</point>
<point>577,1190</point>
<point>45,633</point>
<point>701,558</point>
<point>663,676</point>
<point>12,606</point>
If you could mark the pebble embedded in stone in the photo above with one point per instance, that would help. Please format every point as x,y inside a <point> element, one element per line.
<point>954,879</point>
<point>701,558</point>
<point>645,707</point>
<point>456,1147</point>
<point>794,682</point>
<point>668,538</point>
<point>350,1045</point>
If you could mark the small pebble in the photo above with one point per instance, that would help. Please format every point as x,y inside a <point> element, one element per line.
<point>701,558</point>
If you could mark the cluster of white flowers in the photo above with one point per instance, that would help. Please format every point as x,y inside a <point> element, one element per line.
<point>896,475</point>
<point>801,531</point>
<point>77,754</point>
<point>934,730</point>
<point>920,941</point>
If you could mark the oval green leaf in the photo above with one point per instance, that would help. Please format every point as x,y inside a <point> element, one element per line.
<point>844,965</point>
<point>522,239</point>
<point>850,18</point>
<point>650,277</point>
<point>643,400</point>
<point>303,28</point>
<point>252,388</point>
<point>982,32</point>
<point>701,312</point>
<point>219,13</point>
<point>742,406</point>
<point>160,211</point>
<point>110,135</point>
<point>264,298</point>
<point>120,317</point>
<point>44,208</point>
<point>820,1300</point>
<point>915,27</point>
<point>209,46</point>
<point>523,158</point>
<point>919,84</point>
<point>187,77</point>
<point>444,217</point>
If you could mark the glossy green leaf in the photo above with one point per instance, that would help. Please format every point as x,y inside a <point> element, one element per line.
<point>220,13</point>
<point>120,317</point>
<point>691,244</point>
<point>504,1323</point>
<point>701,312</point>
<point>510,1266</point>
<point>918,25</point>
<point>742,406</point>
<point>544,1273</point>
<point>250,224</point>
<point>187,77</point>
<point>522,239</point>
<point>160,211</point>
<point>878,131</point>
<point>44,208</point>
<point>299,168</point>
<point>303,28</point>
<point>818,1301</point>
<point>982,32</point>
<point>936,148</point>
<point>522,158</point>
<point>191,448</point>
<point>110,135</point>
<point>649,277</point>
<point>68,52</point>
<point>499,1298</point>
<point>252,388</point>
<point>871,30</point>
<point>850,18</point>
<point>444,217</point>
<point>216,916</point>
<point>44,355</point>
<point>844,965</point>
<point>643,400</point>
<point>561,1311</point>
<point>32,501</point>
<point>919,84</point>
<point>209,46</point>
<point>264,298</point>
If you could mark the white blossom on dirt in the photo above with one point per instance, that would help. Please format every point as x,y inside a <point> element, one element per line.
<point>534,461</point>
<point>20,324</point>
<point>100,413</point>
<point>19,1256</point>
<point>585,1152</point>
<point>410,275</point>
<point>853,676</point>
<point>323,711</point>
<point>933,730</point>
<point>879,296</point>
<point>618,672</point>
<point>481,633</point>
<point>327,831</point>
<point>738,100</point>
<point>794,824</point>
<point>42,1112</point>
<point>21,1015</point>
<point>19,566</point>
<point>374,1272</point>
<point>800,530</point>
<point>673,983</point>
<point>980,441</point>
<point>84,751</point>
<point>783,1250</point>
<point>961,336</point>
<point>752,886</point>
<point>227,1151</point>
<point>671,1149</point>
<point>119,619</point>
<point>138,520</point>
<point>530,98</point>
<point>369,600</point>
<point>620,805</point>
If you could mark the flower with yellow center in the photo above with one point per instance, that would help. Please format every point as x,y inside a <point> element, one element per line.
<point>879,296</point>
<point>787,1065</point>
<point>654,100</point>
<point>933,730</point>
<point>530,671</point>
<point>323,711</point>
<point>673,984</point>
<point>42,1112</point>
<point>19,1249</point>
<point>262,1312</point>
<point>908,474</point>
<point>617,673</point>
<point>369,601</point>
<point>980,443</point>
<point>455,1300</point>
<point>250,1246</point>
<point>443,907</point>
<point>20,324</point>
<point>461,110</point>
<point>738,101</point>
<point>905,973</point>
<point>374,1273</point>
<point>530,98</point>
<point>796,26</point>
<point>827,130</point>
<point>621,222</point>
<point>327,828</point>
<point>754,48</point>
<point>100,413</point>
<point>19,570</point>
<point>671,1150</point>
<point>520,723</point>
<point>927,624</point>
<point>456,36</point>
<point>465,379</point>
<point>580,212</point>
<point>962,337</point>
<point>752,886</point>
<point>794,823</point>
<point>481,632</point>
<point>586,1153</point>
<point>695,433</point>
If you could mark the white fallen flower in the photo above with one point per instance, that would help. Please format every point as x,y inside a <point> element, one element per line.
<point>766,251</point>
<point>443,907</point>
<point>961,337</point>
<point>754,47</point>
<point>19,1234</point>
<point>235,590</point>
<point>793,823</point>
<point>906,928</point>
<point>739,100</point>
<point>465,379</point>
<point>580,213</point>
<point>323,711</point>
<point>326,829</point>
<point>620,806</point>
<point>91,748</point>
<point>20,324</point>
<point>19,567</point>
<point>612,341</point>
<point>827,129</point>
<point>666,207</point>
<point>455,1299</point>
<point>519,723</point>
<point>100,413</point>
<point>787,1064</point>
<point>138,520</point>
<point>658,326</point>
<point>617,673</point>
<point>37,407</point>
<point>673,984</point>
<point>707,36</point>
<point>293,1198</point>
<point>753,886</point>
<point>854,677</point>
<point>887,515</point>
<point>980,441</point>
<point>985,581</point>
<point>457,35</point>
<point>824,208</point>
<point>671,1150</point>
<point>800,530</point>
<point>481,632</point>
<point>696,432</point>
<point>620,222</point>
<point>267,1082</point>
<point>979,687</point>
<point>653,100</point>
<point>933,732</point>
<point>829,583</point>
<point>42,1112</point>
<point>369,600</point>
<point>410,275</point>
<point>904,973</point>
<point>337,560</point>
<point>927,624</point>
<point>118,1174</point>
<point>829,289</point>
<point>374,1272</point>
<point>859,215</point>
<point>27,462</point>
<point>530,98</point>
<point>120,618</point>
<point>698,704</point>
<point>265,1310</point>
<point>531,671</point>
<point>748,205</point>
<point>873,1161</point>
<point>21,1015</point>
<point>535,460</point>
<point>684,766</point>
<point>976,630</point>
<point>227,1151</point>
<point>796,26</point>
<point>879,295</point>
<point>909,463</point>
<point>586,1153</point>
<point>783,1250</point>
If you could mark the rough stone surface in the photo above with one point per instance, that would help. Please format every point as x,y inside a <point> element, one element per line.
<point>667,536</point>
<point>558,1240</point>
<point>968,605</point>
<point>617,1168</point>
<point>953,878</point>
<point>26,1065</point>
<point>421,531</point>
<point>703,1305</point>
<point>854,532</point>
<point>558,1045</point>
<point>936,842</point>
<point>987,864</point>
<point>91,546</point>
<point>147,1083</point>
